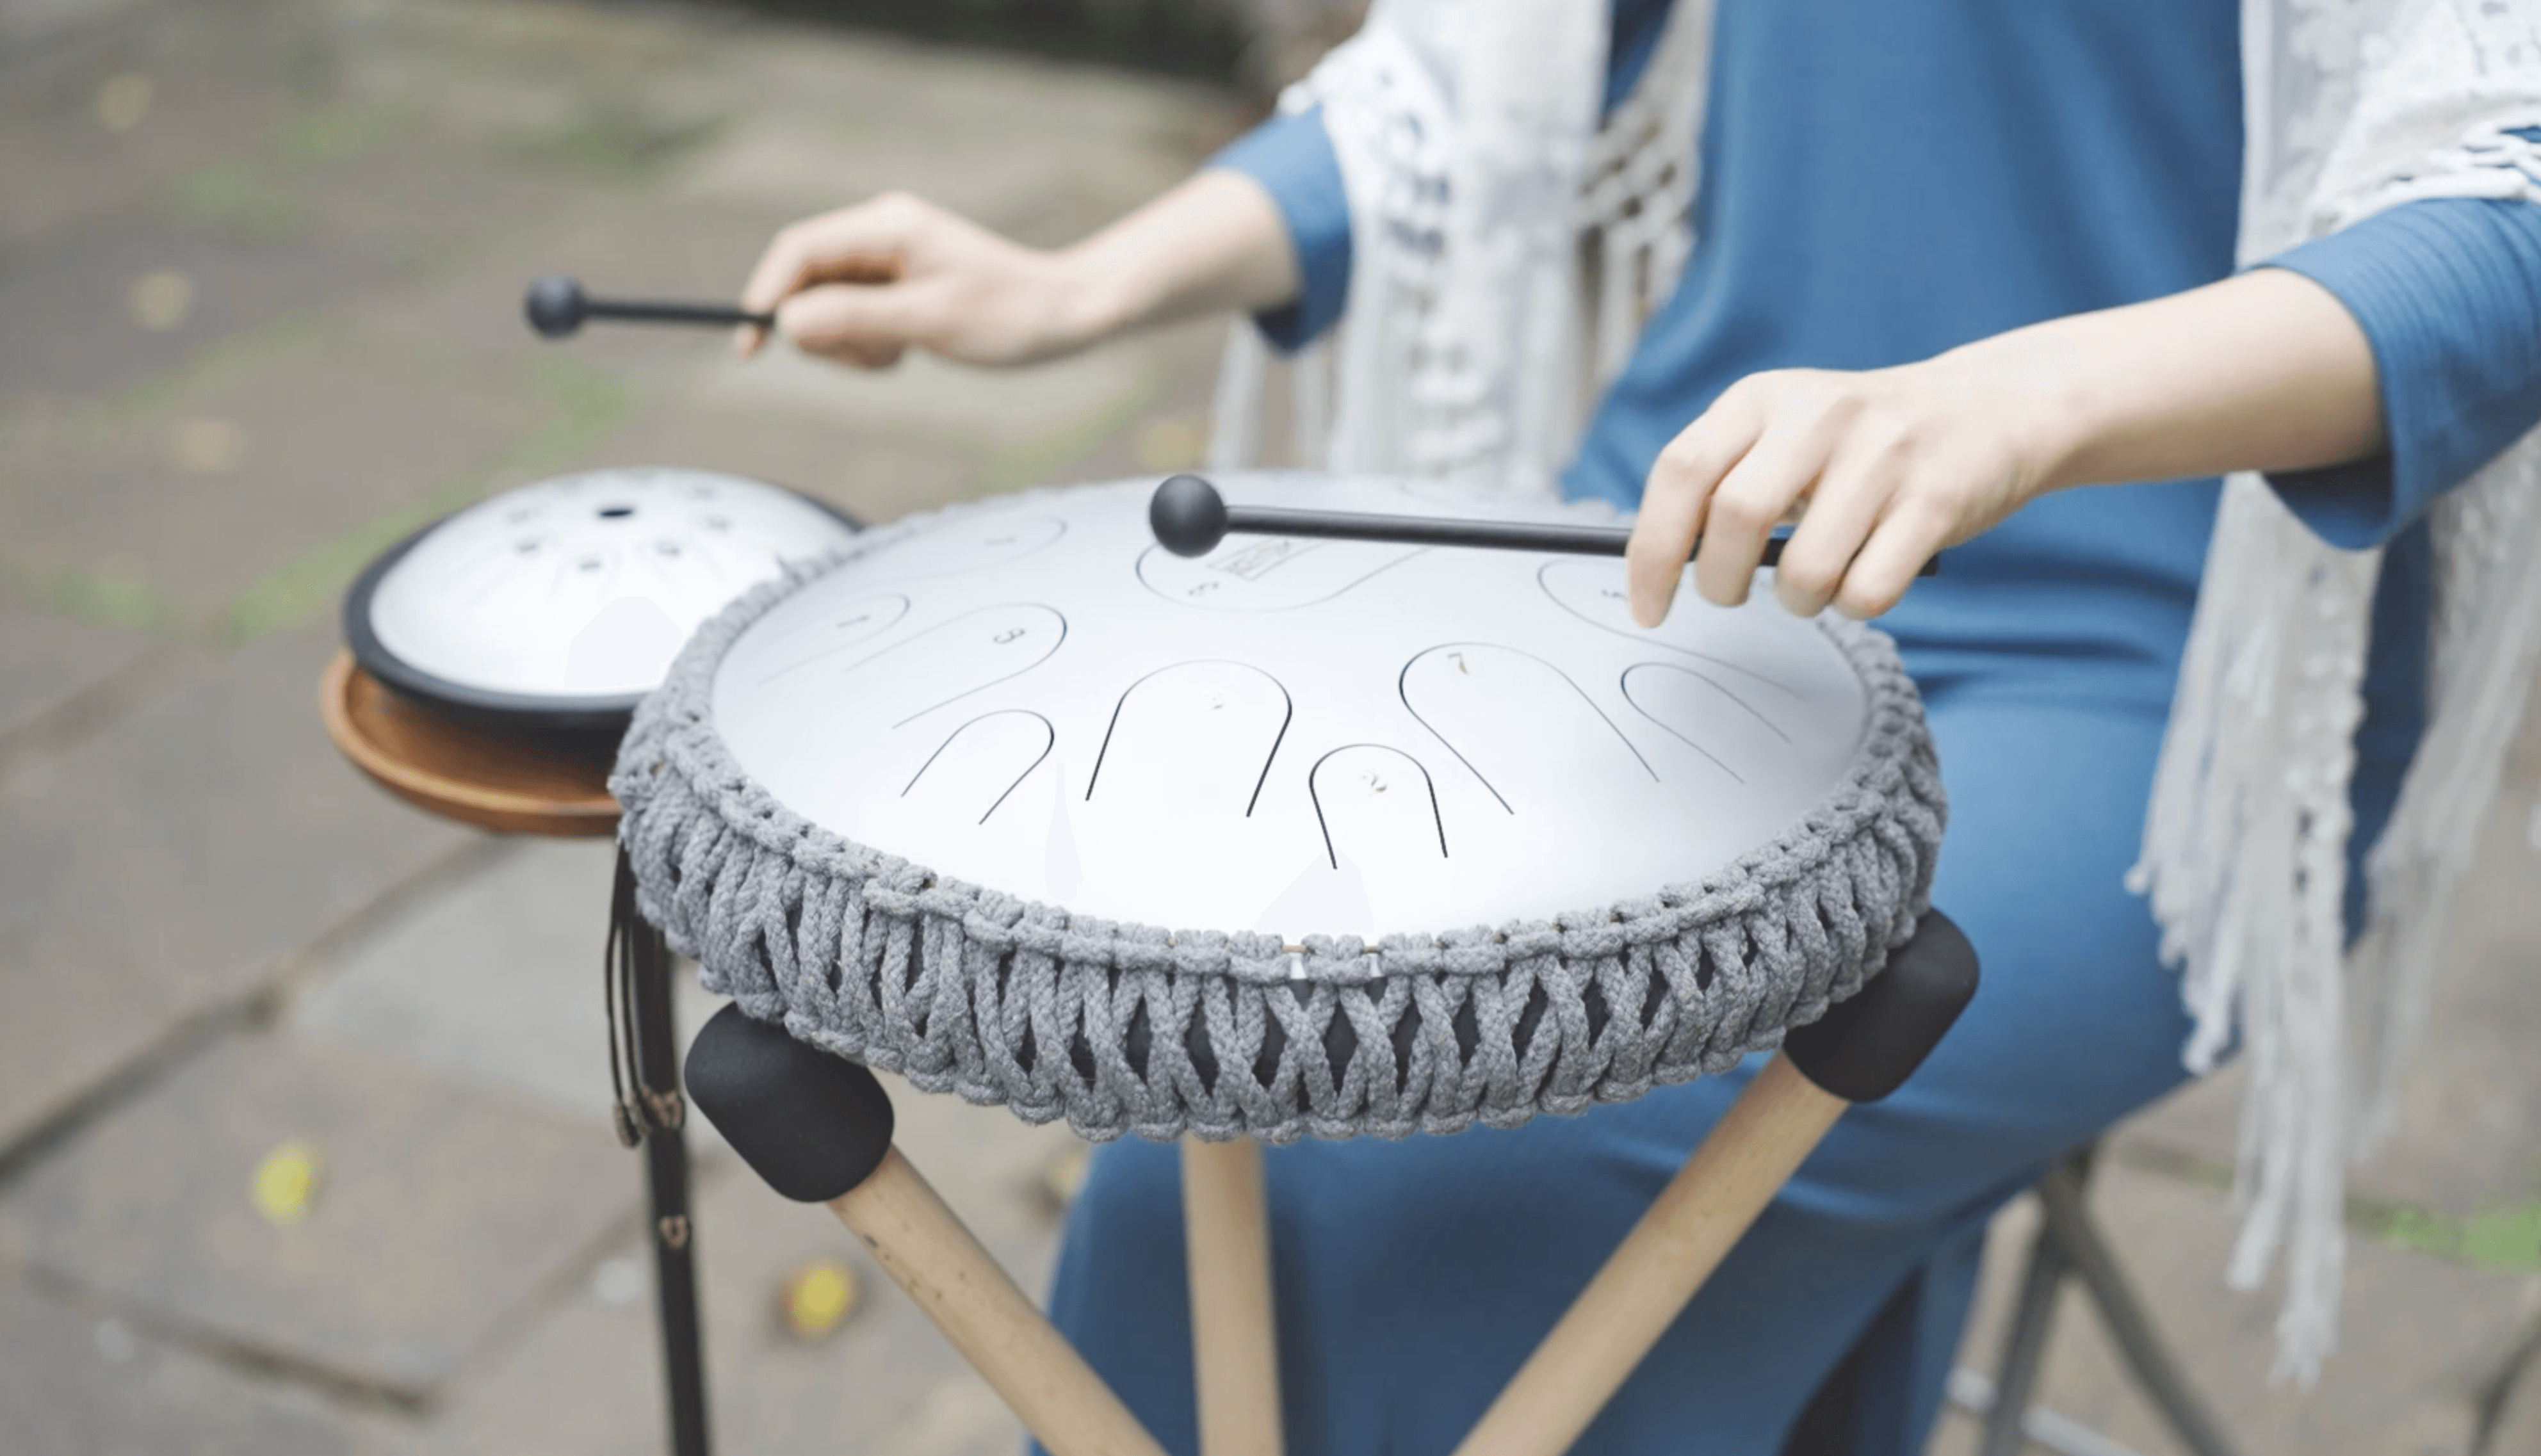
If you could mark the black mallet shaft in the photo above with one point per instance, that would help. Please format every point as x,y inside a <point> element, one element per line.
<point>558,306</point>
<point>1190,518</point>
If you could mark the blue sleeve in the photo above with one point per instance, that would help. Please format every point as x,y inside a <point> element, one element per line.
<point>2449,293</point>
<point>1292,159</point>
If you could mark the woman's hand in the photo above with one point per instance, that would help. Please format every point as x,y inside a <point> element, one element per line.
<point>1890,465</point>
<point>864,284</point>
<point>1881,468</point>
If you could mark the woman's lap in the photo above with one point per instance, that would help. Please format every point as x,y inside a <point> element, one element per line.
<point>1413,1276</point>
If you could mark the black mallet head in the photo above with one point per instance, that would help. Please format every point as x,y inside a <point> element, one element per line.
<point>1188,516</point>
<point>554,307</point>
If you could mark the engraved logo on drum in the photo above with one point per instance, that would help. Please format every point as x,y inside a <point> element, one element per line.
<point>1277,574</point>
<point>1257,561</point>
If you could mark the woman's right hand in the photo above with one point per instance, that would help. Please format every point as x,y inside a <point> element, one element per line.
<point>864,284</point>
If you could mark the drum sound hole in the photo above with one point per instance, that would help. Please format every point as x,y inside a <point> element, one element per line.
<point>616,513</point>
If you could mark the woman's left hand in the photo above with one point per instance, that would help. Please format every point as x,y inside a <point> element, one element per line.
<point>2263,371</point>
<point>1881,468</point>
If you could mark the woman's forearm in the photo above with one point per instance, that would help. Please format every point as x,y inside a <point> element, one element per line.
<point>865,283</point>
<point>2264,370</point>
<point>1885,467</point>
<point>1215,243</point>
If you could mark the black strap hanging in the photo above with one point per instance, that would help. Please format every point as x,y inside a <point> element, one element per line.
<point>617,979</point>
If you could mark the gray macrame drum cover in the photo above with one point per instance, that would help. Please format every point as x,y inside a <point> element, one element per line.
<point>1295,837</point>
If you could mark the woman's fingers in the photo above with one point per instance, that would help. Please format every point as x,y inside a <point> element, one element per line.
<point>1910,533</point>
<point>865,242</point>
<point>1757,494</point>
<point>864,323</point>
<point>1844,509</point>
<point>1673,502</point>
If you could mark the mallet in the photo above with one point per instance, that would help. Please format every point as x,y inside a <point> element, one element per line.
<point>558,307</point>
<point>1190,518</point>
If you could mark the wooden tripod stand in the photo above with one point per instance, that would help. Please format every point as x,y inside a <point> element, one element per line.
<point>819,1128</point>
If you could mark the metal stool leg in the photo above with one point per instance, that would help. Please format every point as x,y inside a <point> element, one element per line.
<point>818,1128</point>
<point>1235,1352</point>
<point>2024,1343</point>
<point>2069,1218</point>
<point>665,1169</point>
<point>2070,1242</point>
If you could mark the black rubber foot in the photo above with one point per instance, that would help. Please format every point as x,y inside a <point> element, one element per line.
<point>811,1124</point>
<point>1866,1048</point>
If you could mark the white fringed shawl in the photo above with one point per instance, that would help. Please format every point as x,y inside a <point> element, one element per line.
<point>1479,184</point>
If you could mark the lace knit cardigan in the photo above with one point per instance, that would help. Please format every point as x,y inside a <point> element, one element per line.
<point>1470,145</point>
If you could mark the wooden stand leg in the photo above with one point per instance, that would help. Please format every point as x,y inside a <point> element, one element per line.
<point>1235,1355</point>
<point>925,1248</point>
<point>1649,1277</point>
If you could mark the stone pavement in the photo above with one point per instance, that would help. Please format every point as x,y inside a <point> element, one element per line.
<point>260,270</point>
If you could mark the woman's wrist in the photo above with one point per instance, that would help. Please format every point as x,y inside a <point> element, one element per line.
<point>2261,371</point>
<point>1214,244</point>
<point>2032,383</point>
<point>1093,296</point>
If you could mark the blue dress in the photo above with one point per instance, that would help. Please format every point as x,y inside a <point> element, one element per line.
<point>1880,182</point>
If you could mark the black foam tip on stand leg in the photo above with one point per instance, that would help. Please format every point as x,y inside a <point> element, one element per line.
<point>1866,1048</point>
<point>811,1124</point>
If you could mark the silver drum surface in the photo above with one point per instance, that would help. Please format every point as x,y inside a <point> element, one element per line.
<point>1286,735</point>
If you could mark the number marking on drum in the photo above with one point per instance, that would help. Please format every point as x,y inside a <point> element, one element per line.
<point>1481,711</point>
<point>1357,826</point>
<point>1250,715</point>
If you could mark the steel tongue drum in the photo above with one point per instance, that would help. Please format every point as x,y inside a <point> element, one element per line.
<point>1284,733</point>
<point>560,604</point>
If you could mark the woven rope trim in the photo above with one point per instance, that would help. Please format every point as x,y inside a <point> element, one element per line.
<point>1124,1028</point>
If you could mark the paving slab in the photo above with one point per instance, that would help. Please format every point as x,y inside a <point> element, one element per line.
<point>997,138</point>
<point>47,659</point>
<point>72,148</point>
<point>440,1211</point>
<point>2517,1431</point>
<point>205,496</point>
<point>2420,1336</point>
<point>178,861</point>
<point>86,293</point>
<point>75,1383</point>
<point>494,981</point>
<point>586,1380</point>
